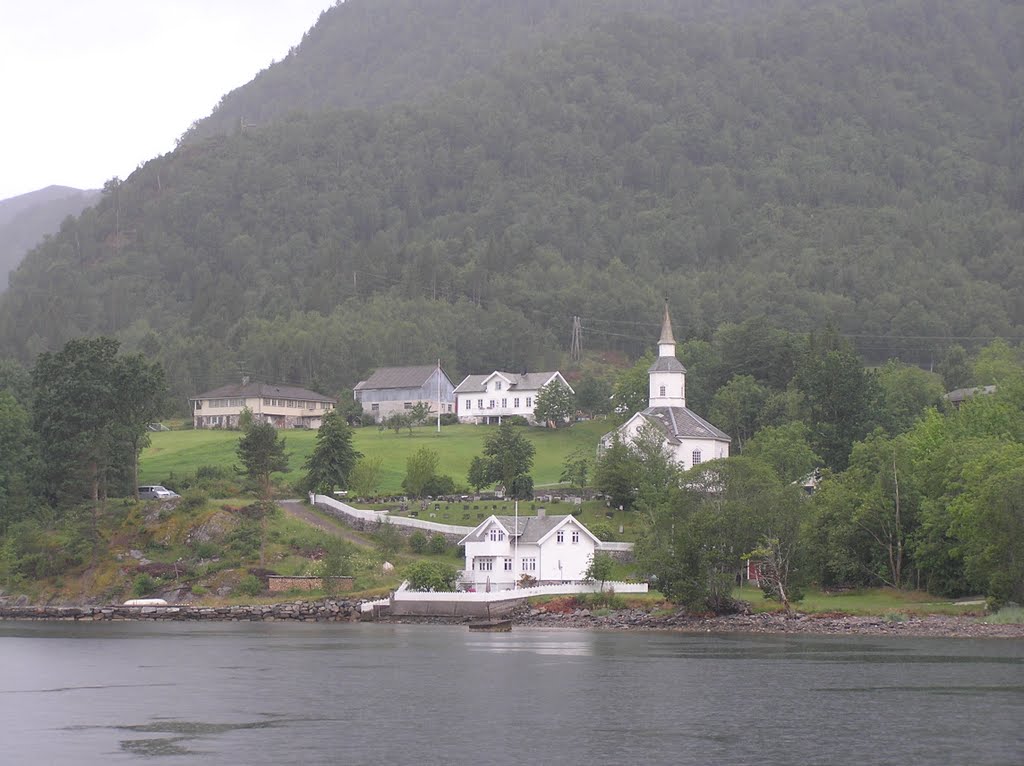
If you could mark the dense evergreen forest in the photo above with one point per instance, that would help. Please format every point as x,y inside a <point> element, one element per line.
<point>457,180</point>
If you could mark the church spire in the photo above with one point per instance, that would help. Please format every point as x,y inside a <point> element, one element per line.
<point>667,375</point>
<point>667,343</point>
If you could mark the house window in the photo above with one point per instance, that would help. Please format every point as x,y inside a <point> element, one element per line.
<point>485,564</point>
<point>497,535</point>
<point>696,457</point>
<point>575,536</point>
<point>492,404</point>
<point>515,402</point>
<point>560,537</point>
<point>530,565</point>
<point>497,385</point>
<point>529,401</point>
<point>508,565</point>
<point>504,402</point>
<point>662,391</point>
<point>266,402</point>
<point>479,404</point>
<point>469,405</point>
<point>407,405</point>
<point>375,407</point>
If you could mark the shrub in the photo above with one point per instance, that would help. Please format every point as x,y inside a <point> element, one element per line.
<point>449,419</point>
<point>418,542</point>
<point>249,585</point>
<point>431,576</point>
<point>143,585</point>
<point>438,544</point>
<point>515,420</point>
<point>192,500</point>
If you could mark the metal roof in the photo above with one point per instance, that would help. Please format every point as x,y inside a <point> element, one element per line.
<point>398,377</point>
<point>682,423</point>
<point>245,390</point>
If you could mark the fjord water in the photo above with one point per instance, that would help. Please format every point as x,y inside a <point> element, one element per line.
<point>253,693</point>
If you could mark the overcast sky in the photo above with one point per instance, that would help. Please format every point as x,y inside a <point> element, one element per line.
<point>93,88</point>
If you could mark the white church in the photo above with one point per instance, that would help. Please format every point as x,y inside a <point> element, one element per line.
<point>689,439</point>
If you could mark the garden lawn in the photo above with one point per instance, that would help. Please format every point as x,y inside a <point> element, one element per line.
<point>180,452</point>
<point>865,602</point>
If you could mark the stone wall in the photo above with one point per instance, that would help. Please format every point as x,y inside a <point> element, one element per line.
<point>280,584</point>
<point>326,610</point>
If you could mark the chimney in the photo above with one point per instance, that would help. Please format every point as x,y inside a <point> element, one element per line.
<point>541,513</point>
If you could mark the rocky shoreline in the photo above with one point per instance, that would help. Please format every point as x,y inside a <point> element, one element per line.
<point>934,626</point>
<point>340,610</point>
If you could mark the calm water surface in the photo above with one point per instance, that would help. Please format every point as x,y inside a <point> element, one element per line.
<point>240,693</point>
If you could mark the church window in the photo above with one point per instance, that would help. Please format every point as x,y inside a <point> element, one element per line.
<point>662,391</point>
<point>696,457</point>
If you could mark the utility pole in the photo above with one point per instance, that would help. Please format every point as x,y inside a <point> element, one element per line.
<point>576,346</point>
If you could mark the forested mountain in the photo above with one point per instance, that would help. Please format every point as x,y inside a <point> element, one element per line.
<point>27,218</point>
<point>457,180</point>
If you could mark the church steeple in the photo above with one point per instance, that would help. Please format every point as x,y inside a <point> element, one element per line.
<point>667,375</point>
<point>666,343</point>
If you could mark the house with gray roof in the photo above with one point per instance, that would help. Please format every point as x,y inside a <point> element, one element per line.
<point>488,398</point>
<point>282,406</point>
<point>395,389</point>
<point>688,438</point>
<point>549,549</point>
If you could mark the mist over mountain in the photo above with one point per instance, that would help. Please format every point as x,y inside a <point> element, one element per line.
<point>457,180</point>
<point>27,218</point>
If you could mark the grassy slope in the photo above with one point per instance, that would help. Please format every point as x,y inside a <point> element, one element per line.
<point>181,452</point>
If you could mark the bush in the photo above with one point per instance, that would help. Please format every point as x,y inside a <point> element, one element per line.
<point>249,585</point>
<point>515,420</point>
<point>431,576</point>
<point>438,544</point>
<point>143,585</point>
<point>192,500</point>
<point>449,419</point>
<point>418,542</point>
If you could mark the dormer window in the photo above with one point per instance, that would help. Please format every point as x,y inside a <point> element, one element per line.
<point>497,385</point>
<point>560,536</point>
<point>497,535</point>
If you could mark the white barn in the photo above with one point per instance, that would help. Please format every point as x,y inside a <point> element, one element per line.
<point>688,438</point>
<point>550,549</point>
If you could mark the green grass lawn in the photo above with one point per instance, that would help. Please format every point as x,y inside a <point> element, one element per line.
<point>866,602</point>
<point>181,452</point>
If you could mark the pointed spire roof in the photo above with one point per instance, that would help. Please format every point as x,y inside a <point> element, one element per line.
<point>666,328</point>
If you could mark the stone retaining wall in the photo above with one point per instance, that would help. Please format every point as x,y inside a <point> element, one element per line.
<point>282,584</point>
<point>326,610</point>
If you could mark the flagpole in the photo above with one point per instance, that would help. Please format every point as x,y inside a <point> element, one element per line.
<point>515,551</point>
<point>439,395</point>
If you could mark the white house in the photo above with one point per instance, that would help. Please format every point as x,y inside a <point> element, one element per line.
<point>689,439</point>
<point>550,549</point>
<point>281,406</point>
<point>489,398</point>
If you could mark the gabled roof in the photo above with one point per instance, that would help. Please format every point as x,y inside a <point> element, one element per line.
<point>531,529</point>
<point>962,394</point>
<point>398,377</point>
<point>680,423</point>
<point>526,381</point>
<point>246,390</point>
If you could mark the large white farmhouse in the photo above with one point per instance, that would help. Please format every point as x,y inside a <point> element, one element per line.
<point>550,549</point>
<point>689,439</point>
<point>489,398</point>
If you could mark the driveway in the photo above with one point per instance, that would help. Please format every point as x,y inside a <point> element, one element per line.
<point>299,510</point>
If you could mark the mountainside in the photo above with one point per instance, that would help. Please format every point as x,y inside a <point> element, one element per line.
<point>27,218</point>
<point>804,162</point>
